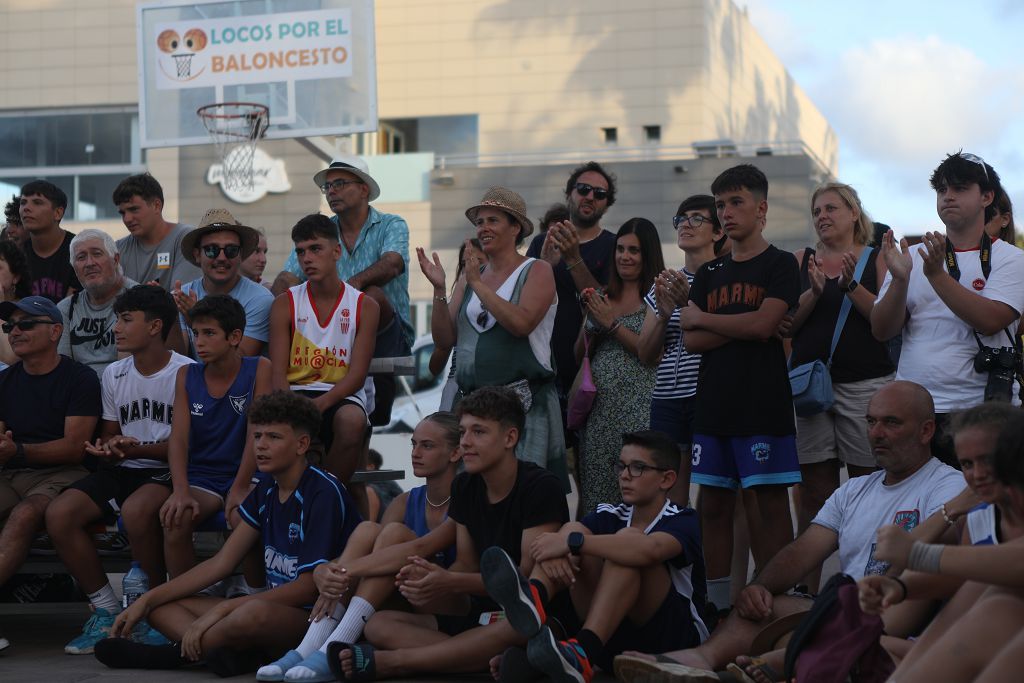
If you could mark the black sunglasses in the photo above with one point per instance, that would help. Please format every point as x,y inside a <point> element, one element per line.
<point>24,325</point>
<point>636,469</point>
<point>583,189</point>
<point>230,251</point>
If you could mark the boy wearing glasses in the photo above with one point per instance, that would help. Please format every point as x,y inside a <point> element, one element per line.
<point>636,573</point>
<point>322,339</point>
<point>952,294</point>
<point>218,246</point>
<point>49,406</point>
<point>744,432</point>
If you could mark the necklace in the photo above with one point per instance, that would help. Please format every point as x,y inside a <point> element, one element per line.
<point>436,505</point>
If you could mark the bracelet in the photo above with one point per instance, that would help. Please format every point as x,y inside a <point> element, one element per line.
<point>925,557</point>
<point>902,585</point>
<point>574,263</point>
<point>441,299</point>
<point>945,516</point>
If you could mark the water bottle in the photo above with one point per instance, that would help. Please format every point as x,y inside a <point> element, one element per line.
<point>135,583</point>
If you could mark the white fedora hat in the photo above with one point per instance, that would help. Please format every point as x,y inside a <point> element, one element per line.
<point>354,165</point>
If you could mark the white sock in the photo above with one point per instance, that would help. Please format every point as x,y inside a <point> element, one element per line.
<point>105,599</point>
<point>719,592</point>
<point>351,627</point>
<point>319,632</point>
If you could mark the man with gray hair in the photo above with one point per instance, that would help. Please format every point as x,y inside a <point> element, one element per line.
<point>89,316</point>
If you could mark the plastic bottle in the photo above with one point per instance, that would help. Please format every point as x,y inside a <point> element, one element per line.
<point>135,583</point>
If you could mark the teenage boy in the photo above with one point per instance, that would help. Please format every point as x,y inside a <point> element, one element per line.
<point>300,515</point>
<point>744,430</point>
<point>635,569</point>
<point>209,454</point>
<point>952,294</point>
<point>152,250</point>
<point>322,339</point>
<point>49,247</point>
<point>497,501</point>
<point>138,396</point>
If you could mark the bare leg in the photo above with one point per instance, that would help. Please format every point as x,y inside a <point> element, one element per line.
<point>24,522</point>
<point>776,527</point>
<point>680,491</point>
<point>66,520</point>
<point>819,480</point>
<point>716,512</point>
<point>969,594</point>
<point>1006,664</point>
<point>179,551</point>
<point>347,452</point>
<point>259,623</point>
<point>140,514</point>
<point>741,533</point>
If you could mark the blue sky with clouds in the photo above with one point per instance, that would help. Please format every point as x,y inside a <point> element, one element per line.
<point>903,83</point>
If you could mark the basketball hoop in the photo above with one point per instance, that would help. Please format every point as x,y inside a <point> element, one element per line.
<point>235,128</point>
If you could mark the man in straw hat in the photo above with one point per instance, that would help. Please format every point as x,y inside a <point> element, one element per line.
<point>218,246</point>
<point>374,259</point>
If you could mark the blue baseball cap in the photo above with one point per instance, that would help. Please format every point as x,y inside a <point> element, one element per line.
<point>32,305</point>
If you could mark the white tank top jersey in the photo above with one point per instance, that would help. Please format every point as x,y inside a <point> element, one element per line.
<point>320,355</point>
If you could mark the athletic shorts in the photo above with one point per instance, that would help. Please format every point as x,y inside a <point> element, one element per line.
<point>674,417</point>
<point>19,483</point>
<point>670,628</point>
<point>326,434</point>
<point>215,486</point>
<point>731,462</point>
<point>110,486</point>
<point>454,624</point>
<point>840,432</point>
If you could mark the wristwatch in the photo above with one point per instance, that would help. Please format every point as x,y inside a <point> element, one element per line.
<point>575,542</point>
<point>851,286</point>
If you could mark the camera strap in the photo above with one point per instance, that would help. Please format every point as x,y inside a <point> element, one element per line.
<point>985,256</point>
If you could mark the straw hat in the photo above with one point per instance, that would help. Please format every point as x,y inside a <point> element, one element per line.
<point>217,220</point>
<point>354,165</point>
<point>508,201</point>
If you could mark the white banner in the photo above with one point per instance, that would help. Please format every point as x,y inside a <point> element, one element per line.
<point>255,49</point>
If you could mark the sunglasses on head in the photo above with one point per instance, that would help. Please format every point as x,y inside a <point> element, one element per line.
<point>230,251</point>
<point>24,325</point>
<point>584,190</point>
<point>974,158</point>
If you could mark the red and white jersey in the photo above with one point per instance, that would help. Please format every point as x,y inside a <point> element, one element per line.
<point>320,355</point>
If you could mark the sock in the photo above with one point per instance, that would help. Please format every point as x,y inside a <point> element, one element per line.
<point>594,648</point>
<point>319,632</point>
<point>105,599</point>
<point>719,592</point>
<point>542,592</point>
<point>351,627</point>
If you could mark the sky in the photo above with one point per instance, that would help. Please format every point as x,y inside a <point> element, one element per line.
<point>903,83</point>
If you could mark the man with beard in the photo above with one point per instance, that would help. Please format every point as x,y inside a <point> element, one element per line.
<point>580,251</point>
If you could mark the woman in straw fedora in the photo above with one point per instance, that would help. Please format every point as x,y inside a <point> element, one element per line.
<point>499,319</point>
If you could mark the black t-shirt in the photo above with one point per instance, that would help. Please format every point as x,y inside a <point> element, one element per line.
<point>598,256</point>
<point>33,407</point>
<point>743,387</point>
<point>536,498</point>
<point>54,275</point>
<point>858,355</point>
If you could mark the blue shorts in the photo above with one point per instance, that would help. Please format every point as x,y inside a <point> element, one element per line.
<point>674,417</point>
<point>733,461</point>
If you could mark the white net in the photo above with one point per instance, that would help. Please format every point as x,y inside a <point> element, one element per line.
<point>235,128</point>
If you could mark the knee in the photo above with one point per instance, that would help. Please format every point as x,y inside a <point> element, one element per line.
<point>393,534</point>
<point>379,630</point>
<point>349,424</point>
<point>26,517</point>
<point>62,516</point>
<point>254,616</point>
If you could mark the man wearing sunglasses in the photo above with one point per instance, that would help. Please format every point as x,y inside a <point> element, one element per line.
<point>374,259</point>
<point>218,246</point>
<point>581,253</point>
<point>49,407</point>
<point>952,294</point>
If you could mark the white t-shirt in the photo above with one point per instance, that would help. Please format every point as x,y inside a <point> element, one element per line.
<point>142,405</point>
<point>859,507</point>
<point>938,347</point>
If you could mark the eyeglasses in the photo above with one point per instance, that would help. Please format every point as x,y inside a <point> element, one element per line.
<point>24,325</point>
<point>338,184</point>
<point>584,190</point>
<point>695,220</point>
<point>230,251</point>
<point>636,468</point>
<point>974,158</point>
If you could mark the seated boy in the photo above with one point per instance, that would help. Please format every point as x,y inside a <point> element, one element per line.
<point>138,394</point>
<point>498,500</point>
<point>636,571</point>
<point>322,335</point>
<point>210,458</point>
<point>300,515</point>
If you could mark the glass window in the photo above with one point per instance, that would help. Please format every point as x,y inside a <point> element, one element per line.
<point>88,200</point>
<point>83,139</point>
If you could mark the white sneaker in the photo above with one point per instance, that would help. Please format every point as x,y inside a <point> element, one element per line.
<point>4,644</point>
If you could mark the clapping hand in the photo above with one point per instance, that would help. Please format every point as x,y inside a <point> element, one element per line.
<point>565,238</point>
<point>598,307</point>
<point>898,260</point>
<point>432,270</point>
<point>849,268</point>
<point>934,253</point>
<point>816,275</point>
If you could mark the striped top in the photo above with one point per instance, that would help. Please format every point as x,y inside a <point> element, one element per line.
<point>677,372</point>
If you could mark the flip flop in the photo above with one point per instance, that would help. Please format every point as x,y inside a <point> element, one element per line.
<point>632,669</point>
<point>363,666</point>
<point>757,663</point>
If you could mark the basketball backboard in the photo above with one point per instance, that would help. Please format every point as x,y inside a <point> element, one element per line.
<point>312,62</point>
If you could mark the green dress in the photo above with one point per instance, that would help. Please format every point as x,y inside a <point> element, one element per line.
<point>623,404</point>
<point>495,357</point>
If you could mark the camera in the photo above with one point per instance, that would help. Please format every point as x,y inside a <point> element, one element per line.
<point>1000,365</point>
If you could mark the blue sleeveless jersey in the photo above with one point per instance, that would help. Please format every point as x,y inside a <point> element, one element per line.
<point>416,519</point>
<point>218,425</point>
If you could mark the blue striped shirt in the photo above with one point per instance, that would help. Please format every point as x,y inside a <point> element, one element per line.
<point>677,372</point>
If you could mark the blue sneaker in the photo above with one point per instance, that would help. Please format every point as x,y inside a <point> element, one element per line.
<point>312,669</point>
<point>275,670</point>
<point>147,635</point>
<point>95,630</point>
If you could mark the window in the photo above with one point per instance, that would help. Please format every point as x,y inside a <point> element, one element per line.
<point>442,135</point>
<point>85,152</point>
<point>652,133</point>
<point>611,135</point>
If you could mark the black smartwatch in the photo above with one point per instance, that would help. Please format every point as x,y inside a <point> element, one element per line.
<point>575,542</point>
<point>851,286</point>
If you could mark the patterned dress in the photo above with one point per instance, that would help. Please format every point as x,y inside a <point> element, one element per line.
<point>623,404</point>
